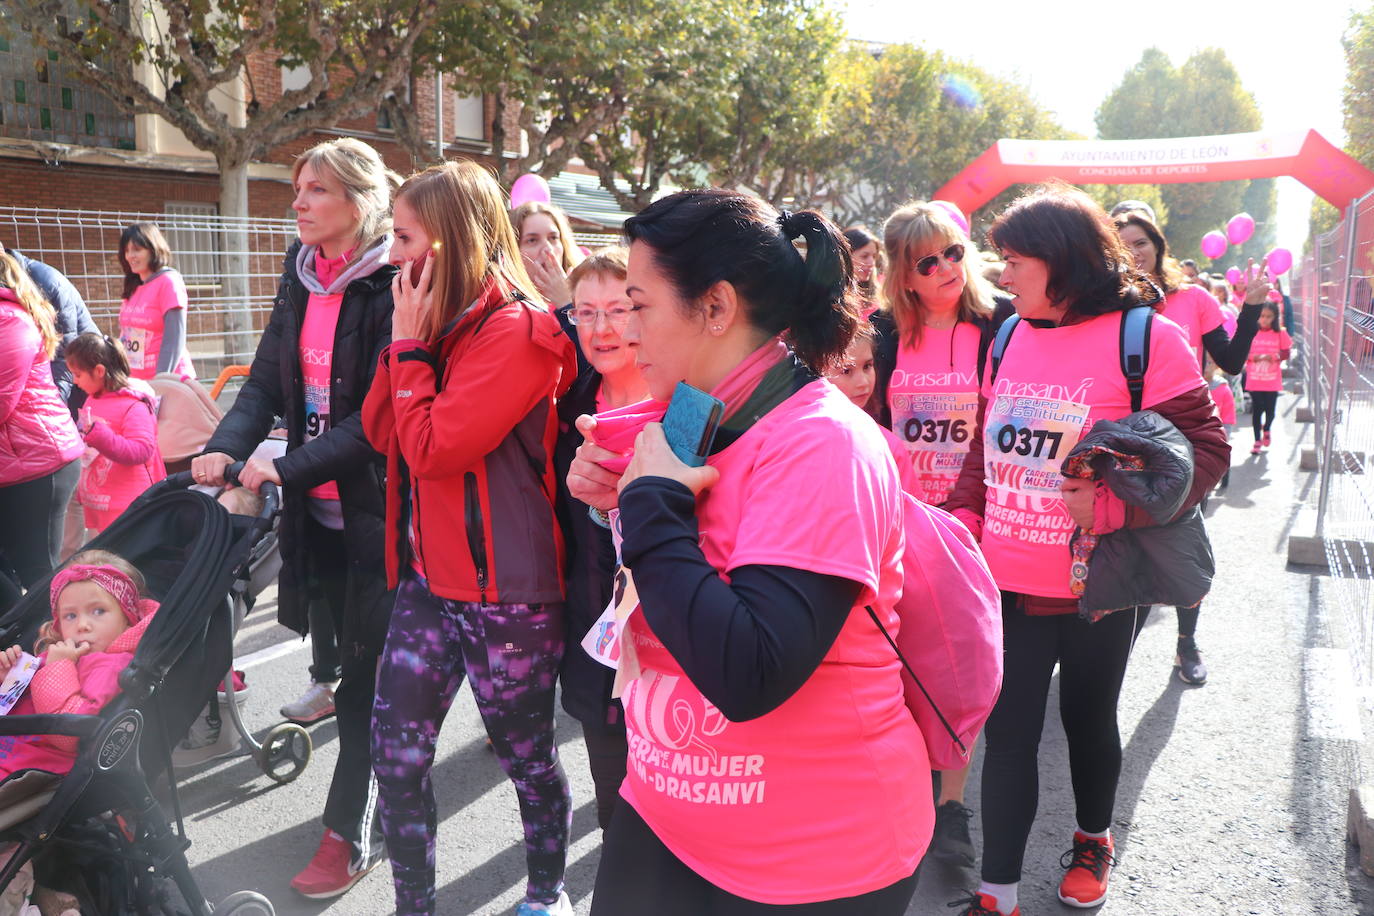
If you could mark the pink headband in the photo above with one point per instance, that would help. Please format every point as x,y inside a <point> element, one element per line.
<point>120,587</point>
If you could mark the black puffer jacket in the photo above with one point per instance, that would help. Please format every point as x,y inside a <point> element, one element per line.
<point>589,571</point>
<point>1169,562</point>
<point>275,388</point>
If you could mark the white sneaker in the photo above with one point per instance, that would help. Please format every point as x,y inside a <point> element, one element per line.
<point>560,907</point>
<point>208,739</point>
<point>315,704</point>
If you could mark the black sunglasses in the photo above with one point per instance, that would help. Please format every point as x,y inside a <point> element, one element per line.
<point>928,265</point>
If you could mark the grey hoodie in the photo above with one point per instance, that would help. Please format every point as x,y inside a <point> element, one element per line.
<point>372,259</point>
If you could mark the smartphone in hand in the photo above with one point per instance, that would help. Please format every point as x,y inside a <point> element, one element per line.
<point>691,422</point>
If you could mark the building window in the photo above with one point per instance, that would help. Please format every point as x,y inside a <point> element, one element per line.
<point>384,116</point>
<point>295,78</point>
<point>469,117</point>
<point>41,99</point>
<point>193,231</point>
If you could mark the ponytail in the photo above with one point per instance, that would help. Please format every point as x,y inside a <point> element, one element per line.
<point>90,350</point>
<point>823,320</point>
<point>701,238</point>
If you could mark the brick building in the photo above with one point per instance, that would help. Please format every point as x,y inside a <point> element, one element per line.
<point>65,146</point>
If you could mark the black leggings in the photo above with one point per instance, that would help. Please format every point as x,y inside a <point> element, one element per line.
<point>1262,407</point>
<point>639,875</point>
<point>34,514</point>
<point>608,753</point>
<point>1092,664</point>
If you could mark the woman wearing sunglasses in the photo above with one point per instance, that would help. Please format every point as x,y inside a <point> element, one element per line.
<point>599,313</point>
<point>939,316</point>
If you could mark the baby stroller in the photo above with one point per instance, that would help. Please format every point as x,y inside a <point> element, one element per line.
<point>99,829</point>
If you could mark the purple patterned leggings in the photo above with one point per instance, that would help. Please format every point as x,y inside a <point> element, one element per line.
<point>510,654</point>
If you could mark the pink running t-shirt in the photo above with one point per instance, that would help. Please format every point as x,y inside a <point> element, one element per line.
<point>827,796</point>
<point>933,396</point>
<point>1052,385</point>
<point>1264,368</point>
<point>317,357</point>
<point>141,318</point>
<point>1194,310</point>
<point>1224,399</point>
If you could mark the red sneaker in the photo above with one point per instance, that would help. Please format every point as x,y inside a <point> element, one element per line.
<point>1265,440</point>
<point>1089,865</point>
<point>333,870</point>
<point>982,905</point>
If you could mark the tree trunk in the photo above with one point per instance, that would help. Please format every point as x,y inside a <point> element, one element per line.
<point>240,337</point>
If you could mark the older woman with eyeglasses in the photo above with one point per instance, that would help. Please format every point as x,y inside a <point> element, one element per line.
<point>599,313</point>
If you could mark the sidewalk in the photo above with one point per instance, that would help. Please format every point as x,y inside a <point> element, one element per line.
<point>1233,795</point>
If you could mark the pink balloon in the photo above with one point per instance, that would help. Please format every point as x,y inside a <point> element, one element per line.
<point>529,188</point>
<point>954,213</point>
<point>1280,259</point>
<point>1275,296</point>
<point>1233,275</point>
<point>1214,245</point>
<point>1240,228</point>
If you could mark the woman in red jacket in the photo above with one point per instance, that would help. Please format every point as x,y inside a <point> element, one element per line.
<point>463,407</point>
<point>40,450</point>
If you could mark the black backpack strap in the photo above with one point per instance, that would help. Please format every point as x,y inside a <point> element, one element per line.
<point>1136,324</point>
<point>907,665</point>
<point>999,343</point>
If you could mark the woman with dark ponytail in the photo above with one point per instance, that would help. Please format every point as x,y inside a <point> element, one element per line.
<point>767,734</point>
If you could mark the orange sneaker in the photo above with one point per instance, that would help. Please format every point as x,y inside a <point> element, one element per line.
<point>982,905</point>
<point>333,870</point>
<point>1089,865</point>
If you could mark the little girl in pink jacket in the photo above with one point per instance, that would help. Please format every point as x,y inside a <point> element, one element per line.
<point>119,424</point>
<point>99,613</point>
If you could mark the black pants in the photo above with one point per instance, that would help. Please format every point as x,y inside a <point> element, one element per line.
<point>1092,664</point>
<point>608,752</point>
<point>351,808</point>
<point>638,875</point>
<point>32,515</point>
<point>1262,407</point>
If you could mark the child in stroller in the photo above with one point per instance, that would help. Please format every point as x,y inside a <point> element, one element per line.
<point>100,610</point>
<point>91,823</point>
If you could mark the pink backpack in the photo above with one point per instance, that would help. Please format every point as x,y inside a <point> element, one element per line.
<point>949,633</point>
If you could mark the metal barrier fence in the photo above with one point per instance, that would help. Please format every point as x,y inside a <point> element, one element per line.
<point>223,325</point>
<point>1334,289</point>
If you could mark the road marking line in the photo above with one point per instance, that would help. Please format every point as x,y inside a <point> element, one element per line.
<point>271,653</point>
<point>1333,710</point>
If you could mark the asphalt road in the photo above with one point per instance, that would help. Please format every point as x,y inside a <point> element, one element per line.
<point>1232,799</point>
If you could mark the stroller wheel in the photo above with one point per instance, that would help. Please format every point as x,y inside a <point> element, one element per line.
<point>245,903</point>
<point>285,752</point>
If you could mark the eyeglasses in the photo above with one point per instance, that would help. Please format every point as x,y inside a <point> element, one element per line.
<point>928,265</point>
<point>617,317</point>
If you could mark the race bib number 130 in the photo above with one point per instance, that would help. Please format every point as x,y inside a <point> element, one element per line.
<point>1026,440</point>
